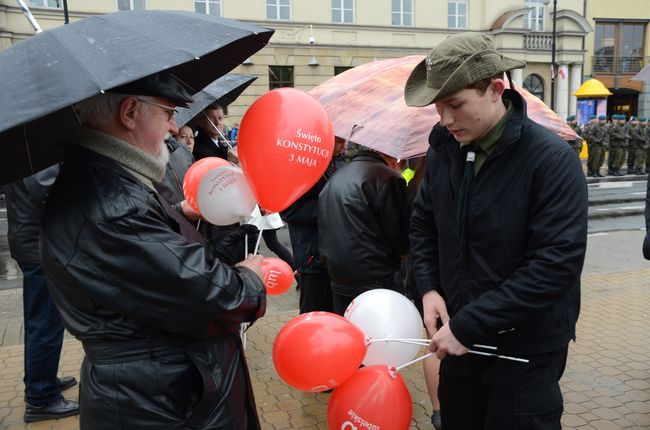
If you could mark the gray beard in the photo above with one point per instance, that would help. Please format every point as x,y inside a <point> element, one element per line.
<point>163,155</point>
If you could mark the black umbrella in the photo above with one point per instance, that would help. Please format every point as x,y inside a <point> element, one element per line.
<point>224,91</point>
<point>44,75</point>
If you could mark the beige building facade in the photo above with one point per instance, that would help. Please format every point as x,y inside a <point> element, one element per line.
<point>316,39</point>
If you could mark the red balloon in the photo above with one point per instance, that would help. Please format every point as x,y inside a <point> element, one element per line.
<point>195,174</point>
<point>278,276</point>
<point>285,144</point>
<point>318,351</point>
<point>374,398</point>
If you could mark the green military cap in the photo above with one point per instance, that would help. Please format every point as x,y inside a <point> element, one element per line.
<point>602,117</point>
<point>643,119</point>
<point>633,118</point>
<point>592,116</point>
<point>571,118</point>
<point>458,61</point>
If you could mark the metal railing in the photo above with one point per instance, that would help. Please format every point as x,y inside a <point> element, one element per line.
<point>609,64</point>
<point>538,41</point>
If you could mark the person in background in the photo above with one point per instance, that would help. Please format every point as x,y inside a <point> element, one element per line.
<point>638,143</point>
<point>576,144</point>
<point>210,140</point>
<point>430,366</point>
<point>186,135</point>
<point>302,220</point>
<point>498,238</point>
<point>363,227</point>
<point>646,241</point>
<point>43,331</point>
<point>617,142</point>
<point>156,309</point>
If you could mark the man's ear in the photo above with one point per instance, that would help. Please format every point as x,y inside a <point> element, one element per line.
<point>497,87</point>
<point>128,112</point>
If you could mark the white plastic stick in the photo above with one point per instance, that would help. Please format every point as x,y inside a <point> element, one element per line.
<point>257,244</point>
<point>424,357</point>
<point>246,245</point>
<point>505,357</point>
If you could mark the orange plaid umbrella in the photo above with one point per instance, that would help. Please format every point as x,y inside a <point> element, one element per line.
<point>366,105</point>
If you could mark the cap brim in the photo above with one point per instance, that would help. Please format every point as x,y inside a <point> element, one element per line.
<point>416,91</point>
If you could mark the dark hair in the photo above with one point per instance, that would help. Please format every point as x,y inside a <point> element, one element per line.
<point>482,85</point>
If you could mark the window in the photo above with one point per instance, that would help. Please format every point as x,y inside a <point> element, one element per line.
<point>535,86</point>
<point>46,3</point>
<point>280,76</point>
<point>402,15</point>
<point>343,11</point>
<point>340,69</point>
<point>208,7</point>
<point>534,20</point>
<point>618,47</point>
<point>278,9</point>
<point>457,14</point>
<point>131,4</point>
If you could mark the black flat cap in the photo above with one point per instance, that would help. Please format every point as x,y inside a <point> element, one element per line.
<point>161,84</point>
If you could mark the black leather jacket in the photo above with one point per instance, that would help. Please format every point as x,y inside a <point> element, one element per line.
<point>157,318</point>
<point>526,238</point>
<point>363,224</point>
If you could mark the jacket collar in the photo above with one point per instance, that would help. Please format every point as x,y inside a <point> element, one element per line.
<point>366,155</point>
<point>440,137</point>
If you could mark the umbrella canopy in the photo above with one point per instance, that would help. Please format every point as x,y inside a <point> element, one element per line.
<point>224,90</point>
<point>366,105</point>
<point>45,74</point>
<point>643,75</point>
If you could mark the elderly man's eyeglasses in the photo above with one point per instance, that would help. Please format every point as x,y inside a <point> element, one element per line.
<point>172,111</point>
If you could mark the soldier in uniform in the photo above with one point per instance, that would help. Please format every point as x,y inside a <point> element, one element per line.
<point>577,143</point>
<point>647,144</point>
<point>631,170</point>
<point>600,137</point>
<point>593,154</point>
<point>616,145</point>
<point>638,143</point>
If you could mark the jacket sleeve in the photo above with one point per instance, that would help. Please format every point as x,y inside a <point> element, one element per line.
<point>551,268</point>
<point>423,236</point>
<point>135,265</point>
<point>305,209</point>
<point>646,242</point>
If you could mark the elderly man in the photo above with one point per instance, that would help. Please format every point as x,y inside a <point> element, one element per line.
<point>157,317</point>
<point>498,237</point>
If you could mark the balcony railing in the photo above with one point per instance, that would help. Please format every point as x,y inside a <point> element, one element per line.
<point>538,41</point>
<point>610,65</point>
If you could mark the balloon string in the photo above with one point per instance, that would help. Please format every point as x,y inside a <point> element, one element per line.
<point>504,357</point>
<point>257,244</point>
<point>198,224</point>
<point>398,339</point>
<point>424,357</point>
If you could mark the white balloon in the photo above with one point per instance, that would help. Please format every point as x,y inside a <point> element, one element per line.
<point>224,196</point>
<point>382,314</point>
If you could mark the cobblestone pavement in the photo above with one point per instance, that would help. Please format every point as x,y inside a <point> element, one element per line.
<point>606,384</point>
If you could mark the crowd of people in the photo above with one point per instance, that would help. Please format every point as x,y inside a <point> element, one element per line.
<point>617,139</point>
<point>488,236</point>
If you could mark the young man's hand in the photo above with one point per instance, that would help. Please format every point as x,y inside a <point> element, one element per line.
<point>434,307</point>
<point>444,343</point>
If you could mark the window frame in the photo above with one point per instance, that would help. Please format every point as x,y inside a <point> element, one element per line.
<point>206,4</point>
<point>402,14</point>
<point>45,4</point>
<point>276,4</point>
<point>540,82</point>
<point>131,3</point>
<point>540,15</point>
<point>456,15</point>
<point>278,83</point>
<point>342,9</point>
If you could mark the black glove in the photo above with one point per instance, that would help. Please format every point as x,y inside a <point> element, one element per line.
<point>230,247</point>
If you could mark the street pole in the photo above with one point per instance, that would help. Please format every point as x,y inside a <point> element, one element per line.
<point>553,67</point>
<point>66,19</point>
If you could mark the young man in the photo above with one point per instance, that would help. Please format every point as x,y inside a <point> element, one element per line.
<point>498,236</point>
